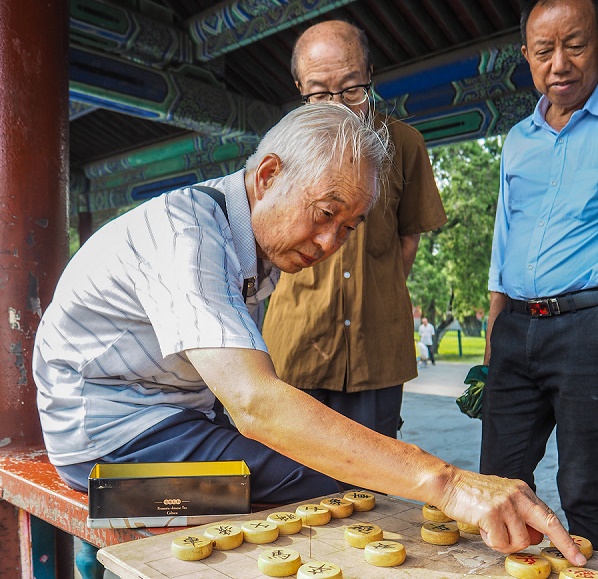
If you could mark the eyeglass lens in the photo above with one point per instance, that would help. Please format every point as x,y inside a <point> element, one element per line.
<point>350,96</point>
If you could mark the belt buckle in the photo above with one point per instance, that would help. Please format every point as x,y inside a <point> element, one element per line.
<point>543,308</point>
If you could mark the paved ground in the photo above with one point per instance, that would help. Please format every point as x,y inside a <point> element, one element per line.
<point>434,422</point>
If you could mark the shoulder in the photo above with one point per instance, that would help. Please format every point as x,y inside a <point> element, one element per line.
<point>522,129</point>
<point>402,135</point>
<point>518,138</point>
<point>190,205</point>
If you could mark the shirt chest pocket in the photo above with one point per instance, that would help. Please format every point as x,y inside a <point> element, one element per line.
<point>382,226</point>
<point>581,199</point>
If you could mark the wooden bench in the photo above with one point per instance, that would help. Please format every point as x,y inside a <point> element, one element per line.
<point>39,514</point>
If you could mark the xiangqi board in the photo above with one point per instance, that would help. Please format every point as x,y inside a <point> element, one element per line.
<point>400,521</point>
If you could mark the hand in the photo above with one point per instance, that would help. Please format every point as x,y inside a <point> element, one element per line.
<point>510,516</point>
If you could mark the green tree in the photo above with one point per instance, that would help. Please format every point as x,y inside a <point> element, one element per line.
<point>450,274</point>
<point>428,285</point>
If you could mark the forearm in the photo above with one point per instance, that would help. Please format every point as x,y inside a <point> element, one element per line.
<point>296,425</point>
<point>498,302</point>
<point>351,453</point>
<point>347,451</point>
<point>409,244</point>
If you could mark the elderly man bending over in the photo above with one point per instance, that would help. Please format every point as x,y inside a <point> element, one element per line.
<point>149,328</point>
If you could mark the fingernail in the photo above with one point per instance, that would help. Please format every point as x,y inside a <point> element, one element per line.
<point>580,560</point>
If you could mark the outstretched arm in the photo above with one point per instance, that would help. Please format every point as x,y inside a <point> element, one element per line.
<point>293,423</point>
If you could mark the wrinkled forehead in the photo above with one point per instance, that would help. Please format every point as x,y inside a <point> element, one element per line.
<point>314,51</point>
<point>584,13</point>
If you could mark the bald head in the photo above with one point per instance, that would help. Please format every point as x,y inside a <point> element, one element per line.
<point>337,40</point>
<point>330,57</point>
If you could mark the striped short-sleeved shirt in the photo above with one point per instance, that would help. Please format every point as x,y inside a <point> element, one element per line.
<point>109,359</point>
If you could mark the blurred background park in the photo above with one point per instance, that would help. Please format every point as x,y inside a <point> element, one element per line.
<point>456,346</point>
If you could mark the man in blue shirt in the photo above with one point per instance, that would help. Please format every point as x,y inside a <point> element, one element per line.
<point>543,322</point>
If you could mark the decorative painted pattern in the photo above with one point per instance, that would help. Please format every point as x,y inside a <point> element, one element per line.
<point>115,84</point>
<point>479,95</point>
<point>139,175</point>
<point>241,22</point>
<point>175,164</point>
<point>105,26</point>
<point>215,149</point>
<point>124,195</point>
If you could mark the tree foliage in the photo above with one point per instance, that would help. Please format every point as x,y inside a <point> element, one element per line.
<point>450,274</point>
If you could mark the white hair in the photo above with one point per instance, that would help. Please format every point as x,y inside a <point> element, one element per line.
<point>311,138</point>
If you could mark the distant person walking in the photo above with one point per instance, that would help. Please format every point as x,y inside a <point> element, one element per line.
<point>426,337</point>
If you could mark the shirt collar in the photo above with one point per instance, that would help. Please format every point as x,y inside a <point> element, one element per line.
<point>239,216</point>
<point>592,104</point>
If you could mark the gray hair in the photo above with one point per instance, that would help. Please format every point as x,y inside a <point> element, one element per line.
<point>311,139</point>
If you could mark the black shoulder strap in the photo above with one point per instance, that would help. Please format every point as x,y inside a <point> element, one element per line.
<point>219,197</point>
<point>216,195</point>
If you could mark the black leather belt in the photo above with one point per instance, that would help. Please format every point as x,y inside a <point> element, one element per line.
<point>543,307</point>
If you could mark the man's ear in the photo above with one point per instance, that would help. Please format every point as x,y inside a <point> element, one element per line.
<point>268,168</point>
<point>524,52</point>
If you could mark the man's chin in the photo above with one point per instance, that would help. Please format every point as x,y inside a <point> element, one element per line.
<point>289,267</point>
<point>294,264</point>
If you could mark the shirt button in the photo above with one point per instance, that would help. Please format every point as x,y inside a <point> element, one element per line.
<point>553,183</point>
<point>541,224</point>
<point>347,275</point>
<point>530,266</point>
<point>347,322</point>
<point>560,140</point>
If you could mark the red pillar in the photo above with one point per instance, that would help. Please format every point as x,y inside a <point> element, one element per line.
<point>33,195</point>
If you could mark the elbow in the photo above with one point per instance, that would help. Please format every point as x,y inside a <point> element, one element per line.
<point>253,428</point>
<point>246,424</point>
<point>250,421</point>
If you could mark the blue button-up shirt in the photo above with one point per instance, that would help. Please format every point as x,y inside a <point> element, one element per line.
<point>546,230</point>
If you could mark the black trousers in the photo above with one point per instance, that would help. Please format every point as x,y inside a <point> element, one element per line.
<point>431,353</point>
<point>544,373</point>
<point>379,410</point>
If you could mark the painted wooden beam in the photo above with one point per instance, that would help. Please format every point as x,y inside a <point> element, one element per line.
<point>188,150</point>
<point>116,29</point>
<point>236,23</point>
<point>113,83</point>
<point>127,191</point>
<point>468,94</point>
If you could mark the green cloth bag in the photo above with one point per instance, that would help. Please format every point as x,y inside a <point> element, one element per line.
<point>470,402</point>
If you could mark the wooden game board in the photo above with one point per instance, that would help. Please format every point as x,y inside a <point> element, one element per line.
<point>400,520</point>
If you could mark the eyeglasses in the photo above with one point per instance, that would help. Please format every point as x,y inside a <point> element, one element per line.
<point>351,96</point>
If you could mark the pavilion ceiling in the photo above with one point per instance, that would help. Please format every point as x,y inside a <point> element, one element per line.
<point>149,79</point>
